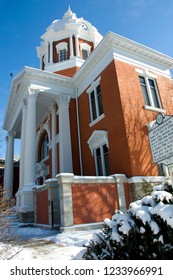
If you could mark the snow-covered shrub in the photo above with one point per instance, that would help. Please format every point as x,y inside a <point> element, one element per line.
<point>145,231</point>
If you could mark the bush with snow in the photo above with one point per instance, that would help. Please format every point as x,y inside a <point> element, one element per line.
<point>145,231</point>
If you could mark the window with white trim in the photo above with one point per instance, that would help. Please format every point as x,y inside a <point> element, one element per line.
<point>150,92</point>
<point>98,143</point>
<point>102,161</point>
<point>85,49</point>
<point>95,100</point>
<point>62,49</point>
<point>44,149</point>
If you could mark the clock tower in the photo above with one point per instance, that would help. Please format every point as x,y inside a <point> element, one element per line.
<point>66,44</point>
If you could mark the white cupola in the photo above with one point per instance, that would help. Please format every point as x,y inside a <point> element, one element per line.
<point>66,44</point>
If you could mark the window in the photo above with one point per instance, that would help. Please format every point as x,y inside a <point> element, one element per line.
<point>150,92</point>
<point>84,54</point>
<point>95,100</point>
<point>62,49</point>
<point>62,55</point>
<point>101,161</point>
<point>85,49</point>
<point>44,151</point>
<point>98,143</point>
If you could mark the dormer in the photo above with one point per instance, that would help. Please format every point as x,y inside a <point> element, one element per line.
<point>66,44</point>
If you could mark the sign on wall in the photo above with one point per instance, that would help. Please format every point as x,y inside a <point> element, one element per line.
<point>161,140</point>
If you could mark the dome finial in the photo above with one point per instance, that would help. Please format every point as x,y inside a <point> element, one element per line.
<point>69,14</point>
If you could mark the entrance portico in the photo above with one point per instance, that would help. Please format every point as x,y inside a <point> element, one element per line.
<point>34,103</point>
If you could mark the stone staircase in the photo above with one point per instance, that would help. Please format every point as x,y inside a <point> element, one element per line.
<point>13,219</point>
<point>10,218</point>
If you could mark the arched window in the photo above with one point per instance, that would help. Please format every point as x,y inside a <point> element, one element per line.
<point>44,149</point>
<point>62,49</point>
<point>85,50</point>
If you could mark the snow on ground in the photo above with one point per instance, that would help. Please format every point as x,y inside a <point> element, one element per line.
<point>44,244</point>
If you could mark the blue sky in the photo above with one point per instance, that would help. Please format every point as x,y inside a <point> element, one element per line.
<point>22,22</point>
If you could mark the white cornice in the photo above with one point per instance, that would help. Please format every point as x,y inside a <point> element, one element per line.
<point>75,62</point>
<point>139,50</point>
<point>116,47</point>
<point>47,76</point>
<point>36,78</point>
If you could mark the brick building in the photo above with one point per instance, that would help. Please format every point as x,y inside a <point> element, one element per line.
<point>82,117</point>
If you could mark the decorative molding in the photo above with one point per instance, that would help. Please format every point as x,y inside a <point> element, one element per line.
<point>116,47</point>
<point>33,91</point>
<point>25,77</point>
<point>98,138</point>
<point>85,46</point>
<point>61,46</point>
<point>93,85</point>
<point>63,100</point>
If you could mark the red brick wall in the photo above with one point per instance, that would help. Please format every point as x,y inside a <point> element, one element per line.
<point>67,72</point>
<point>113,122</point>
<point>42,207</point>
<point>125,120</point>
<point>93,202</point>
<point>136,117</point>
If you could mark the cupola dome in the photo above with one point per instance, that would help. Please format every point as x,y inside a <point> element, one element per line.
<point>67,43</point>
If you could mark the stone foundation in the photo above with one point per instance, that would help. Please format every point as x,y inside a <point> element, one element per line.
<point>25,217</point>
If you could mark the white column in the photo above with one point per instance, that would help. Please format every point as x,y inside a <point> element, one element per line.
<point>77,46</point>
<point>22,145</point>
<point>46,54</point>
<point>51,52</point>
<point>8,180</point>
<point>64,134</point>
<point>30,139</point>
<point>71,46</point>
<point>6,162</point>
<point>54,150</point>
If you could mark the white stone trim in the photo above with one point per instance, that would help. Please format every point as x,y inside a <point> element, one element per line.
<point>141,179</point>
<point>94,84</point>
<point>22,144</point>
<point>117,47</point>
<point>146,73</point>
<point>85,46</point>
<point>30,142</point>
<point>97,120</point>
<point>97,139</point>
<point>54,150</point>
<point>62,46</point>
<point>66,204</point>
<point>151,108</point>
<point>121,197</point>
